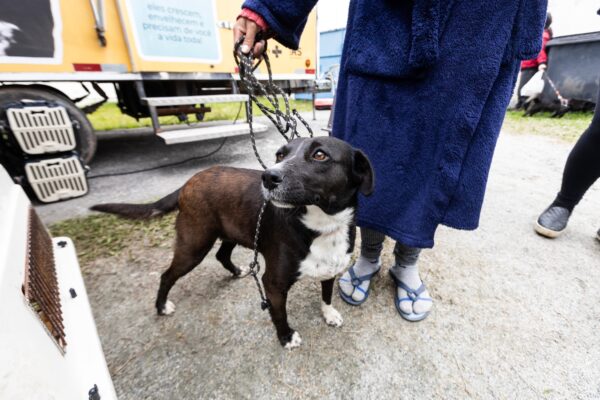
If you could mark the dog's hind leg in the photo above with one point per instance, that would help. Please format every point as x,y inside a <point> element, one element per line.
<point>184,260</point>
<point>224,257</point>
<point>190,249</point>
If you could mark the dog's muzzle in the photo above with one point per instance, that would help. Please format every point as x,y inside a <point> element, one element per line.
<point>271,179</point>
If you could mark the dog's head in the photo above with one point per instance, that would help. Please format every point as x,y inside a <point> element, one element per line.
<point>322,171</point>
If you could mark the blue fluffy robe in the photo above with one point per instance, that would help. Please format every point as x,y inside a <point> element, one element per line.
<point>423,89</point>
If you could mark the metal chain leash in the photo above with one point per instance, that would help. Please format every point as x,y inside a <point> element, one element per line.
<point>563,102</point>
<point>285,121</point>
<point>255,265</point>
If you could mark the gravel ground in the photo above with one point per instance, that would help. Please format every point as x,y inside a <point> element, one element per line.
<point>515,315</point>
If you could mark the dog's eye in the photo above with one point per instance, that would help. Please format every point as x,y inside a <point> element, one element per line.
<point>320,155</point>
<point>279,157</point>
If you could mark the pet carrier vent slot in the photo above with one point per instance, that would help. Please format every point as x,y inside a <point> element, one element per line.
<point>41,285</point>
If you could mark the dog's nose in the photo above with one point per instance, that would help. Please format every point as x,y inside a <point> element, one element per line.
<point>271,179</point>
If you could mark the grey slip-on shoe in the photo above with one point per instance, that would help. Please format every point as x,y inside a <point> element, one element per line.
<point>552,222</point>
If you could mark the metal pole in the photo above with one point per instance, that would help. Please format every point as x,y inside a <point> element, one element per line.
<point>314,97</point>
<point>126,36</point>
<point>101,14</point>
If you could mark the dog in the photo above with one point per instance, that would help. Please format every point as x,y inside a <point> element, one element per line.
<point>308,229</point>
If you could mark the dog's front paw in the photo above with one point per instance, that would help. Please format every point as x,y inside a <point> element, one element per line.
<point>291,341</point>
<point>167,309</point>
<point>331,315</point>
<point>242,271</point>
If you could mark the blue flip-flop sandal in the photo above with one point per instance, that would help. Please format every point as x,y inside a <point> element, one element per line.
<point>413,295</point>
<point>356,282</point>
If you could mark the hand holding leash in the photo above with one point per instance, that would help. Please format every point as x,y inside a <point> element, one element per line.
<point>266,96</point>
<point>248,29</point>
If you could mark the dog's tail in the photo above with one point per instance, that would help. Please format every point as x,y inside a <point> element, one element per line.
<point>141,211</point>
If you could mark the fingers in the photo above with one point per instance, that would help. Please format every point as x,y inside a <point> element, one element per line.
<point>251,30</point>
<point>239,28</point>
<point>259,48</point>
<point>244,26</point>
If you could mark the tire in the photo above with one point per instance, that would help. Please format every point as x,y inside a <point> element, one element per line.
<point>85,137</point>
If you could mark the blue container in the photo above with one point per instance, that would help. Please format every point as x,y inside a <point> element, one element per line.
<point>330,53</point>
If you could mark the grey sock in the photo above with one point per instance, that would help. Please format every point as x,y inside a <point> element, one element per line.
<point>407,271</point>
<point>361,267</point>
<point>405,267</point>
<point>367,263</point>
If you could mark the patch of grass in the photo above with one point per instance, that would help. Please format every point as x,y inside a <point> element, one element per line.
<point>99,236</point>
<point>567,128</point>
<point>108,116</point>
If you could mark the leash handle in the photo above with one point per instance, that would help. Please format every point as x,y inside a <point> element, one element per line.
<point>237,53</point>
<point>285,120</point>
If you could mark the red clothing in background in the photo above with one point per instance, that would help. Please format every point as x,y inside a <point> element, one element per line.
<point>542,58</point>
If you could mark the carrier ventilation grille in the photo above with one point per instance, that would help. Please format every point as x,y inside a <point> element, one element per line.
<point>41,129</point>
<point>57,179</point>
<point>41,285</point>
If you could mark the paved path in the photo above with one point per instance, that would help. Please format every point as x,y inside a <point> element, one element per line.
<point>515,316</point>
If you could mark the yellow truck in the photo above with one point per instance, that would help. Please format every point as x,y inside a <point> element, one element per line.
<point>164,57</point>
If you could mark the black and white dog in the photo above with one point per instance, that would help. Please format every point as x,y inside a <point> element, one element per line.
<point>308,229</point>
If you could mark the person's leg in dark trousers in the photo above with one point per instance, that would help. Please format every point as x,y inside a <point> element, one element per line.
<point>581,171</point>
<point>371,243</point>
<point>526,75</point>
<point>583,166</point>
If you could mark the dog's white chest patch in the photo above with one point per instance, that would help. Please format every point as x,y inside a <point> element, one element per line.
<point>328,254</point>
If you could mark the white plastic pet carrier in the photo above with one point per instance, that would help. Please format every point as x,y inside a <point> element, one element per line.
<point>57,179</point>
<point>41,129</point>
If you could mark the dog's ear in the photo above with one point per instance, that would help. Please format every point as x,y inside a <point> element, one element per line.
<point>363,173</point>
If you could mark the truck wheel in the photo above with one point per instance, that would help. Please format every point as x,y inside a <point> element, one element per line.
<point>84,135</point>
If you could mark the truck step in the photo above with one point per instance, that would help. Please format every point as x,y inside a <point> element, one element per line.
<point>187,100</point>
<point>206,133</point>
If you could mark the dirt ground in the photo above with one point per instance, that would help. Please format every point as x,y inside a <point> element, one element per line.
<point>515,316</point>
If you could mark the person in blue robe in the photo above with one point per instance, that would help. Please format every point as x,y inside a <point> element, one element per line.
<point>423,89</point>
